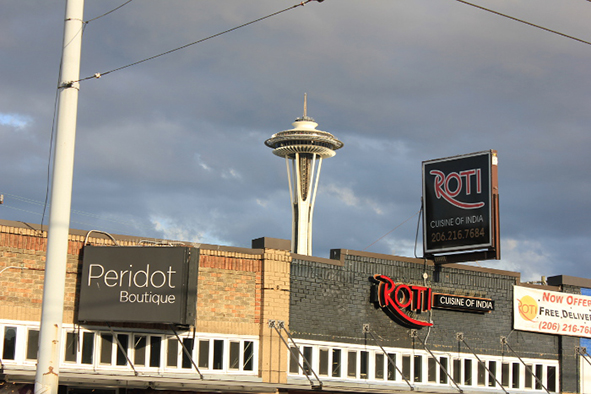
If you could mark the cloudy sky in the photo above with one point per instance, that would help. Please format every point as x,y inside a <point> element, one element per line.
<point>173,147</point>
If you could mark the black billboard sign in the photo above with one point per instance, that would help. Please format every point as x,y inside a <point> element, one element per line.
<point>139,284</point>
<point>460,212</point>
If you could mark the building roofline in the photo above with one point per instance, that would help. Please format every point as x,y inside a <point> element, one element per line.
<point>339,254</point>
<point>560,280</point>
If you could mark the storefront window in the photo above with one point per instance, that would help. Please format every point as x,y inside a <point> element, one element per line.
<point>87,348</point>
<point>431,370</point>
<point>551,383</point>
<point>234,355</point>
<point>122,349</point>
<point>323,362</point>
<point>379,372</point>
<point>492,366</point>
<point>248,355</point>
<point>481,374</point>
<point>203,354</point>
<point>9,351</point>
<point>364,365</point>
<point>467,372</point>
<point>71,347</point>
<point>391,366</point>
<point>540,376</point>
<point>352,364</point>
<point>505,374</point>
<point>106,348</point>
<point>218,354</point>
<point>336,362</point>
<point>528,383</point>
<point>294,366</point>
<point>172,352</point>
<point>186,358</point>
<point>155,351</point>
<point>457,370</point>
<point>515,375</point>
<point>139,350</point>
<point>32,344</point>
<point>406,367</point>
<point>418,367</point>
<point>308,358</point>
<point>443,370</point>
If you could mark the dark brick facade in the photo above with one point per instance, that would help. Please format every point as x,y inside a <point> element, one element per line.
<point>332,302</point>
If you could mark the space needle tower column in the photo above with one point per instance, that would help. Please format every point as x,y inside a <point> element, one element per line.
<point>303,148</point>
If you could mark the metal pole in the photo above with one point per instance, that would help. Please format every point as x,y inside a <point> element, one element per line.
<point>582,351</point>
<point>122,349</point>
<point>278,325</point>
<point>415,334</point>
<point>50,341</point>
<point>504,342</point>
<point>460,337</point>
<point>186,351</point>
<point>392,362</point>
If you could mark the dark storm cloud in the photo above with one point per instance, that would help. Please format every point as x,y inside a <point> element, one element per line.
<point>174,148</point>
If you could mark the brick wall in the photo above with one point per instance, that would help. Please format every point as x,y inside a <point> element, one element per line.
<point>21,289</point>
<point>274,306</point>
<point>229,285</point>
<point>331,302</point>
<point>229,293</point>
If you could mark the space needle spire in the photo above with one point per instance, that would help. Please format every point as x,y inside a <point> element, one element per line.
<point>303,148</point>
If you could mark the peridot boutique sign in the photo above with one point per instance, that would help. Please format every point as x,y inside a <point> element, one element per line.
<point>139,284</point>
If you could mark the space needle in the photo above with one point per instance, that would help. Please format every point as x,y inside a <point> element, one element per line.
<point>303,148</point>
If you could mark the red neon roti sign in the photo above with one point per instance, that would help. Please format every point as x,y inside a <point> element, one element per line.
<point>444,186</point>
<point>399,299</point>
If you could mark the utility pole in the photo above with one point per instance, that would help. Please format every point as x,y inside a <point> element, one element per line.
<point>52,310</point>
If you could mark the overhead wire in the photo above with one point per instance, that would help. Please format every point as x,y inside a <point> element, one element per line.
<point>53,123</point>
<point>115,226</point>
<point>524,22</point>
<point>418,228</point>
<point>107,13</point>
<point>505,16</point>
<point>51,140</point>
<point>98,75</point>
<point>44,204</point>
<point>379,239</point>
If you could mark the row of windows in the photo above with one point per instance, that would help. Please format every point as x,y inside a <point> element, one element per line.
<point>373,364</point>
<point>214,354</point>
<point>103,349</point>
<point>309,142</point>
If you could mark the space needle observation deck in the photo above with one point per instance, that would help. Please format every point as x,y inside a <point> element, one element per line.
<point>303,148</point>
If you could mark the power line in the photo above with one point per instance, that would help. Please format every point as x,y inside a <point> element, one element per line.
<point>525,22</point>
<point>107,13</point>
<point>98,75</point>
<point>45,205</point>
<point>376,241</point>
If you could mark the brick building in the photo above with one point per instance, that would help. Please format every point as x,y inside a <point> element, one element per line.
<point>266,320</point>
